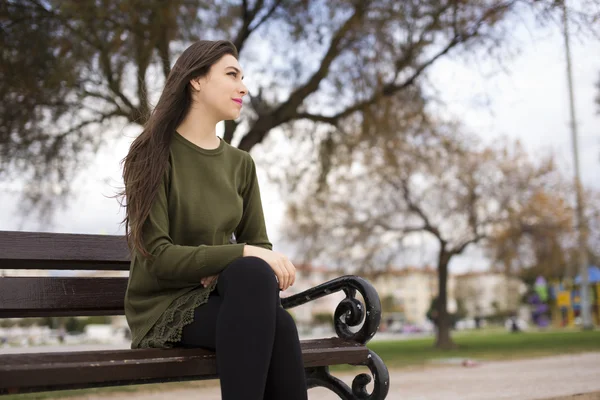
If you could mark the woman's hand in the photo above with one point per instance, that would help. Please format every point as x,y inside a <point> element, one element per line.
<point>280,264</point>
<point>207,280</point>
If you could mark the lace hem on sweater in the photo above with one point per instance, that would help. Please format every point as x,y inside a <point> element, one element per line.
<point>166,332</point>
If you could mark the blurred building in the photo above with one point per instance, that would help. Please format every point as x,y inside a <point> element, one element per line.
<point>407,293</point>
<point>411,290</point>
<point>486,293</point>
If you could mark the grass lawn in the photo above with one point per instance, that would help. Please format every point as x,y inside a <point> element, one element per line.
<point>483,345</point>
<point>498,345</point>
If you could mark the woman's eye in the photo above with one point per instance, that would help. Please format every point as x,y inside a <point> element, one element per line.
<point>234,74</point>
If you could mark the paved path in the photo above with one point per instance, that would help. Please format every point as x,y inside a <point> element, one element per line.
<point>540,378</point>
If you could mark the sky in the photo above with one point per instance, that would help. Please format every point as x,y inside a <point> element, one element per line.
<point>529,102</point>
<point>525,99</point>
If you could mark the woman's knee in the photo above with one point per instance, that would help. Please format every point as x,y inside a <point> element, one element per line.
<point>250,271</point>
<point>285,322</point>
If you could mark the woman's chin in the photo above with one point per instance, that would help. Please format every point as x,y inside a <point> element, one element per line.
<point>230,117</point>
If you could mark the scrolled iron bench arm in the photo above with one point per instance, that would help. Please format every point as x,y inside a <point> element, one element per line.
<point>349,313</point>
<point>350,308</point>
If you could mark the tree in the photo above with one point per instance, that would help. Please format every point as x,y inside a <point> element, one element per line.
<point>97,65</point>
<point>74,69</point>
<point>424,179</point>
<point>542,239</point>
<point>535,241</point>
<point>433,314</point>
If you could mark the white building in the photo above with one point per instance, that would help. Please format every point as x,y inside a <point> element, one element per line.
<point>413,289</point>
<point>486,293</point>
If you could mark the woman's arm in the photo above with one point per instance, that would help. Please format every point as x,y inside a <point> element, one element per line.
<point>182,264</point>
<point>251,229</point>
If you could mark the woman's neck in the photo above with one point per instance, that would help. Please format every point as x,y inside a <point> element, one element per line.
<point>200,129</point>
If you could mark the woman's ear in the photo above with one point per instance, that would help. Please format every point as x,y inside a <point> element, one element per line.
<point>195,84</point>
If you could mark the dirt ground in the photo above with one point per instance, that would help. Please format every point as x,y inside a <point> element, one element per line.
<point>549,378</point>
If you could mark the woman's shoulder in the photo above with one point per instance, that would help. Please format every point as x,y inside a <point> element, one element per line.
<point>238,154</point>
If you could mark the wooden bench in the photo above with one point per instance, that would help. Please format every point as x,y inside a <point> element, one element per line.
<point>52,296</point>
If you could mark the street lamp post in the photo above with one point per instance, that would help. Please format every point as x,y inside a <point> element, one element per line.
<point>586,315</point>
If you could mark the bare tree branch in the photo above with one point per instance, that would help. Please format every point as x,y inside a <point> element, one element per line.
<point>318,118</point>
<point>402,63</point>
<point>463,246</point>
<point>412,206</point>
<point>268,14</point>
<point>288,110</point>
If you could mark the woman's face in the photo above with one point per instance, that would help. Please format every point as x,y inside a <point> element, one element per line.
<point>220,92</point>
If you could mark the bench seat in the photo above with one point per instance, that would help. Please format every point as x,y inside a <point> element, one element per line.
<point>27,372</point>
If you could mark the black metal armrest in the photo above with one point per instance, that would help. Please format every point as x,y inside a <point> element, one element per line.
<point>350,311</point>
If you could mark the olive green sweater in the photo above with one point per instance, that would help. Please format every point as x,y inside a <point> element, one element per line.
<point>205,198</point>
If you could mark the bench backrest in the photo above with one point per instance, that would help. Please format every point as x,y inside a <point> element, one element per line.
<point>41,296</point>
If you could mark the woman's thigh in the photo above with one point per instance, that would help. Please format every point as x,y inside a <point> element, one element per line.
<point>202,332</point>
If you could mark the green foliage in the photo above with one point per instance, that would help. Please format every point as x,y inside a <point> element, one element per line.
<point>77,325</point>
<point>74,325</point>
<point>98,319</point>
<point>24,322</point>
<point>390,305</point>
<point>7,323</point>
<point>70,324</point>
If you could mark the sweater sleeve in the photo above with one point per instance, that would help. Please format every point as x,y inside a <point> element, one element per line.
<point>251,229</point>
<point>182,264</point>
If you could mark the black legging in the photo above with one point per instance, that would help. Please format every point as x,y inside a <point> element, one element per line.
<point>255,339</point>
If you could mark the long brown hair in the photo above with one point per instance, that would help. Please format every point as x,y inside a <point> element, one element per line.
<point>145,164</point>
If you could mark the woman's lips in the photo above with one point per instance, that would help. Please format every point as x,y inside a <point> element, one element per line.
<point>239,101</point>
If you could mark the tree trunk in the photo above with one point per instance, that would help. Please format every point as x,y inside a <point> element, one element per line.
<point>443,339</point>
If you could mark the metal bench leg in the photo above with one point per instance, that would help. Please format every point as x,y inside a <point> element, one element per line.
<point>320,376</point>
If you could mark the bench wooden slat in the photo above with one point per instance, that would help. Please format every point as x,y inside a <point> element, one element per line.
<point>42,250</point>
<point>61,296</point>
<point>105,355</point>
<point>50,371</point>
<point>62,266</point>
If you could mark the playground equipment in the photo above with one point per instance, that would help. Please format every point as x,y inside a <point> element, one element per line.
<point>566,302</point>
<point>538,299</point>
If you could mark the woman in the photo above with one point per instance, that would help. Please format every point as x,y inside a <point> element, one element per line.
<point>203,273</point>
